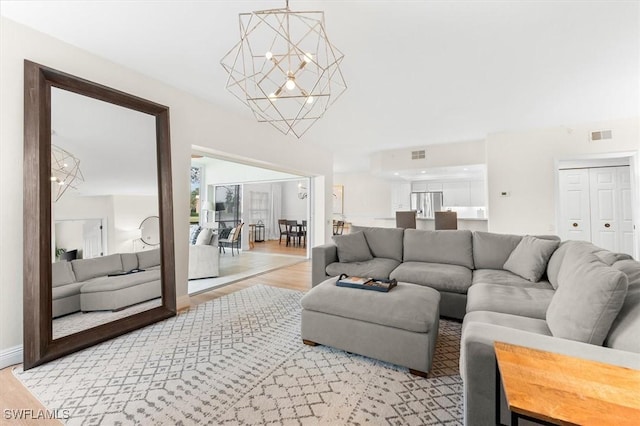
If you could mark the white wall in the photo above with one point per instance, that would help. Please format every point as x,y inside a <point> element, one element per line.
<point>194,122</point>
<point>293,208</point>
<point>366,197</point>
<point>524,164</point>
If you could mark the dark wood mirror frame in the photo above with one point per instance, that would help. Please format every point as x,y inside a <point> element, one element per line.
<point>39,346</point>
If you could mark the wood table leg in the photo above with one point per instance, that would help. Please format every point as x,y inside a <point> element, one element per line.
<point>418,373</point>
<point>309,342</point>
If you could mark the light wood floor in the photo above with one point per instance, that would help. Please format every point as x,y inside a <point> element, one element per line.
<point>15,396</point>
<point>274,247</point>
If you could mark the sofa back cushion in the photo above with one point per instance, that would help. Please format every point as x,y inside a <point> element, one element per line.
<point>62,274</point>
<point>204,237</point>
<point>530,258</point>
<point>129,261</point>
<point>352,247</point>
<point>85,269</point>
<point>491,251</point>
<point>449,247</point>
<point>624,333</point>
<point>383,242</point>
<point>589,297</point>
<point>149,258</point>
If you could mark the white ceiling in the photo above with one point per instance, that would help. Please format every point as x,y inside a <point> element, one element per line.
<point>418,72</point>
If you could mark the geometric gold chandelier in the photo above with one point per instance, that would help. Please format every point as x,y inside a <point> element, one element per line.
<point>284,68</point>
<point>65,171</point>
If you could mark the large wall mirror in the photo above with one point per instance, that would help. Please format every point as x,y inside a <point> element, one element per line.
<point>96,164</point>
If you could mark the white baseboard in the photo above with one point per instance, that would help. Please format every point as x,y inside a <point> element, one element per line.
<point>11,356</point>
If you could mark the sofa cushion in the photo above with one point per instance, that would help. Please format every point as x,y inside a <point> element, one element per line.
<point>529,259</point>
<point>61,292</point>
<point>119,282</point>
<point>523,301</point>
<point>502,277</point>
<point>610,257</point>
<point>625,330</point>
<point>631,269</point>
<point>555,262</point>
<point>62,274</point>
<point>204,237</point>
<point>442,277</point>
<point>375,268</point>
<point>148,258</point>
<point>450,247</point>
<point>194,231</point>
<point>85,269</point>
<point>129,261</point>
<point>352,247</point>
<point>491,251</point>
<point>531,325</point>
<point>383,242</point>
<point>407,306</point>
<point>590,294</point>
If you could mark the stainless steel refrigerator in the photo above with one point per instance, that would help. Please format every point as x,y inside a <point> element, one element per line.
<point>426,203</point>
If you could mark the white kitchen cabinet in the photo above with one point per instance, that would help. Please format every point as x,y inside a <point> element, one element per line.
<point>400,196</point>
<point>456,194</point>
<point>434,186</point>
<point>419,186</point>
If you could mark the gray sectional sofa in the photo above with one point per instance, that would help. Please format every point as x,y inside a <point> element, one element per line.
<point>571,297</point>
<point>86,284</point>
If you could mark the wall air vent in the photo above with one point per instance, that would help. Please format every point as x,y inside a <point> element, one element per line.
<point>418,155</point>
<point>600,135</point>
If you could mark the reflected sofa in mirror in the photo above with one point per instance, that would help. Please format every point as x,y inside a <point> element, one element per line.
<point>97,163</point>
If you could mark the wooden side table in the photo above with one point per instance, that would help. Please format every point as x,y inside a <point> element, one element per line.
<point>550,388</point>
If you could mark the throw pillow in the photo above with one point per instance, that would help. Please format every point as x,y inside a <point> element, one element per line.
<point>193,235</point>
<point>589,297</point>
<point>530,257</point>
<point>204,237</point>
<point>352,247</point>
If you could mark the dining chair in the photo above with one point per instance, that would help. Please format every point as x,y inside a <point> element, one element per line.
<point>303,233</point>
<point>406,220</point>
<point>338,227</point>
<point>282,225</point>
<point>292,231</point>
<point>446,220</point>
<point>232,239</point>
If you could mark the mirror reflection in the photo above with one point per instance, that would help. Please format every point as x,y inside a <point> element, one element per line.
<point>104,203</point>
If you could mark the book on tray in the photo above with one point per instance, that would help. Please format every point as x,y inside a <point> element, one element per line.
<point>366,283</point>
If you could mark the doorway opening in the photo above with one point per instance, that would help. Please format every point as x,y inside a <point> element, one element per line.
<point>242,207</point>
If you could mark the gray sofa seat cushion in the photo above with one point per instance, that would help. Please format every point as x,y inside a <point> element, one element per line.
<point>530,258</point>
<point>625,330</point>
<point>407,306</point>
<point>589,297</point>
<point>491,250</point>
<point>383,242</point>
<point>352,247</point>
<point>85,269</point>
<point>374,268</point>
<point>442,277</point>
<point>129,261</point>
<point>72,289</point>
<point>62,274</point>
<point>148,258</point>
<point>522,301</point>
<point>450,247</point>
<point>532,325</point>
<point>500,276</point>
<point>119,282</point>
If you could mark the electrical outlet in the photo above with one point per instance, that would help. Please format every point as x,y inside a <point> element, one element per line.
<point>505,193</point>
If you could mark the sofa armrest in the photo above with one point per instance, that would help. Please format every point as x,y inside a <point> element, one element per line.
<point>477,364</point>
<point>204,261</point>
<point>321,257</point>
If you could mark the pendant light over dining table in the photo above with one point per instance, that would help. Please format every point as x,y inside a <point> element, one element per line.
<point>284,68</point>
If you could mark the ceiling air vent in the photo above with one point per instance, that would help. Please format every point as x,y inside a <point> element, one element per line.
<point>418,155</point>
<point>600,135</point>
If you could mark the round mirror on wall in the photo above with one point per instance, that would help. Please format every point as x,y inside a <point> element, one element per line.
<point>150,231</point>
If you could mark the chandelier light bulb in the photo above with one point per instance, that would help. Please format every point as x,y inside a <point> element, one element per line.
<point>308,57</point>
<point>61,183</point>
<point>65,165</point>
<point>310,99</point>
<point>290,85</point>
<point>268,55</point>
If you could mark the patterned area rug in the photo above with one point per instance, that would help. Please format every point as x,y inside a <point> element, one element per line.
<point>240,360</point>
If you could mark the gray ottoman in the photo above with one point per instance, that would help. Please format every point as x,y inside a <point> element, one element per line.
<point>400,327</point>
